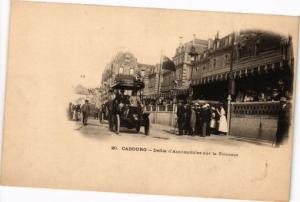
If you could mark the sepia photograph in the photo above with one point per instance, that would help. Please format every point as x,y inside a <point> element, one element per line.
<point>235,88</point>
<point>150,101</point>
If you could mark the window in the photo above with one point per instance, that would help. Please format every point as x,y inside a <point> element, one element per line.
<point>226,59</point>
<point>214,63</point>
<point>230,39</point>
<point>131,71</point>
<point>226,41</point>
<point>121,70</point>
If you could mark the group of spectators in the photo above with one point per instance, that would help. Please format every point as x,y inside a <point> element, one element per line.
<point>201,119</point>
<point>267,94</point>
<point>77,112</point>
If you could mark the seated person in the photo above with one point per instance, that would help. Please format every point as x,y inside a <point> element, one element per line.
<point>268,93</point>
<point>248,97</point>
<point>133,101</point>
<point>239,97</point>
<point>261,97</point>
<point>275,95</point>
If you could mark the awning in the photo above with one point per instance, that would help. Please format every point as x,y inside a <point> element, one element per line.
<point>239,73</point>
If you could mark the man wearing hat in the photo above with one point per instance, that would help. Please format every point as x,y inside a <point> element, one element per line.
<point>180,117</point>
<point>283,121</point>
<point>205,116</point>
<point>198,119</point>
<point>187,124</point>
<point>85,109</point>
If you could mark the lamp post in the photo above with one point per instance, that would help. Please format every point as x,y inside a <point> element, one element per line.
<point>231,85</point>
<point>193,55</point>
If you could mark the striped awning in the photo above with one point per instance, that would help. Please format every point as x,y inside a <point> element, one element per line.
<point>239,73</point>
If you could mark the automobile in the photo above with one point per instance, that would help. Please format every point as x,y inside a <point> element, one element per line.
<point>126,109</point>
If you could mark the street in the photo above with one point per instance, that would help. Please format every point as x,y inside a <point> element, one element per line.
<point>158,132</point>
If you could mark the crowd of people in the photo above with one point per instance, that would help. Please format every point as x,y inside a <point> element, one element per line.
<point>201,119</point>
<point>267,93</point>
<point>79,112</point>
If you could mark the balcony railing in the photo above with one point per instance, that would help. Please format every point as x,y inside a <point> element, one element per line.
<point>237,109</point>
<point>256,108</point>
<point>160,108</point>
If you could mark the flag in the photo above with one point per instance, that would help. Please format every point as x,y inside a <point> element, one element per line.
<point>168,64</point>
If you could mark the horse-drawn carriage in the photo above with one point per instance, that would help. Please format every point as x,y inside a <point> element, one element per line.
<point>126,109</point>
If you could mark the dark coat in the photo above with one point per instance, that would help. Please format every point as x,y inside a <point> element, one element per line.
<point>181,113</point>
<point>206,115</point>
<point>85,108</point>
<point>198,112</point>
<point>283,123</point>
<point>284,117</point>
<point>188,113</point>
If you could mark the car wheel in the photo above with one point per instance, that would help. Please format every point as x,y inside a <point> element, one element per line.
<point>117,124</point>
<point>138,129</point>
<point>147,126</point>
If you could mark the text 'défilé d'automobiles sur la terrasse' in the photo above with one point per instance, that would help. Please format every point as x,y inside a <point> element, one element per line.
<point>173,151</point>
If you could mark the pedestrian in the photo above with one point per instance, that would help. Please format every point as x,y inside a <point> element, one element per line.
<point>223,128</point>
<point>76,112</point>
<point>193,119</point>
<point>85,110</point>
<point>283,121</point>
<point>198,123</point>
<point>206,117</point>
<point>187,124</point>
<point>96,112</point>
<point>180,117</point>
<point>70,111</point>
<point>213,121</point>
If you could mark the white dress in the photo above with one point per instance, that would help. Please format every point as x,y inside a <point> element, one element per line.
<point>213,120</point>
<point>223,122</point>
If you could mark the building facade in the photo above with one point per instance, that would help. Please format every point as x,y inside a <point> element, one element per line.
<point>255,61</point>
<point>177,83</point>
<point>153,82</point>
<point>182,61</point>
<point>124,63</point>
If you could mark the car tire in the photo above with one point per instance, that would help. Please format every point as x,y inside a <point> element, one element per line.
<point>147,126</point>
<point>138,128</point>
<point>117,124</point>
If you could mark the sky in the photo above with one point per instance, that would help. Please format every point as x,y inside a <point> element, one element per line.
<point>149,32</point>
<point>82,39</point>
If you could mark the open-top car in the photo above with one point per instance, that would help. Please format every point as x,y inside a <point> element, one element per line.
<point>126,109</point>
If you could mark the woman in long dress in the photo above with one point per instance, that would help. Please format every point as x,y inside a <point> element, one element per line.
<point>193,120</point>
<point>223,128</point>
<point>213,122</point>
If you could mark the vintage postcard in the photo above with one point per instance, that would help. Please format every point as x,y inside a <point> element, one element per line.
<point>150,101</point>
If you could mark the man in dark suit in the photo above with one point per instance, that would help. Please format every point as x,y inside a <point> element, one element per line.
<point>283,121</point>
<point>85,109</point>
<point>205,116</point>
<point>187,121</point>
<point>180,117</point>
<point>198,123</point>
